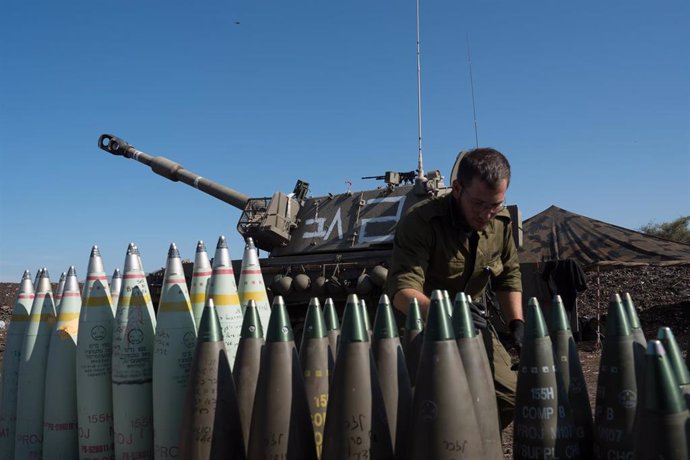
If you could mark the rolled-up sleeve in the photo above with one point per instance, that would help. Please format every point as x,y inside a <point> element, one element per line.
<point>510,279</point>
<point>411,253</point>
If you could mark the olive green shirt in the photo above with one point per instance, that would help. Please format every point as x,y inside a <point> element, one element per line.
<point>432,244</point>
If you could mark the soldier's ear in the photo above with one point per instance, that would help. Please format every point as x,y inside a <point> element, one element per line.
<point>456,189</point>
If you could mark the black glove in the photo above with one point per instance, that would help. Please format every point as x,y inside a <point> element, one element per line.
<point>517,333</point>
<point>478,316</point>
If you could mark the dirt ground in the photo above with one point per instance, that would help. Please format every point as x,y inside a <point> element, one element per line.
<point>661,295</point>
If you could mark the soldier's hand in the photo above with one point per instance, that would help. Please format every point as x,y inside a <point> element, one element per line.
<point>478,316</point>
<point>517,333</point>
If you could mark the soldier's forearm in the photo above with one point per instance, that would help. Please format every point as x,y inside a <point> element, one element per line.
<point>511,304</point>
<point>403,297</point>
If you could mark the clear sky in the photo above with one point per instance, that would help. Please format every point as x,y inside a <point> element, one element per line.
<point>590,100</point>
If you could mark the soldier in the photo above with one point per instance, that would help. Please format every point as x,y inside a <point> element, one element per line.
<point>460,242</point>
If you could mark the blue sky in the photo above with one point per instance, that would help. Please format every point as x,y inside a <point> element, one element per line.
<point>590,101</point>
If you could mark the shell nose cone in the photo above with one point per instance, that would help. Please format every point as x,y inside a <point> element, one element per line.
<point>200,246</point>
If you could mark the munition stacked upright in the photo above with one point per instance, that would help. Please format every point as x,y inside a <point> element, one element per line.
<point>617,390</point>
<point>251,285</point>
<point>356,425</point>
<point>115,288</point>
<point>639,340</point>
<point>172,357</point>
<point>223,290</point>
<point>663,415</point>
<point>281,426</point>
<point>365,317</point>
<point>94,363</point>
<point>58,292</point>
<point>201,274</point>
<point>332,326</point>
<point>211,427</point>
<point>245,373</point>
<point>675,360</point>
<point>11,362</point>
<point>570,369</point>
<point>479,378</point>
<point>444,423</point>
<point>317,363</point>
<point>133,336</point>
<point>412,339</point>
<point>543,420</point>
<point>32,372</point>
<point>60,410</point>
<point>393,377</point>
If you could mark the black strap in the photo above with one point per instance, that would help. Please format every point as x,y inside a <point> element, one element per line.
<point>470,261</point>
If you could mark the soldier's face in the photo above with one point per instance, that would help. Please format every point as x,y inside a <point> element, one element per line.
<point>479,202</point>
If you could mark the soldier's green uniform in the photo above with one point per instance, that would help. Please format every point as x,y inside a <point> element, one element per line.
<point>431,250</point>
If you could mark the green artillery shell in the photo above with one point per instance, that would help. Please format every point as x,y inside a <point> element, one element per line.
<point>617,390</point>
<point>251,285</point>
<point>639,340</point>
<point>317,363</point>
<point>393,377</point>
<point>32,372</point>
<point>211,427</point>
<point>663,413</point>
<point>245,373</point>
<point>365,317</point>
<point>478,371</point>
<point>332,326</point>
<point>60,410</point>
<point>569,366</point>
<point>94,364</point>
<point>543,420</point>
<point>172,357</point>
<point>444,424</point>
<point>447,302</point>
<point>133,336</point>
<point>675,360</point>
<point>356,425</point>
<point>412,339</point>
<point>201,274</point>
<point>11,362</point>
<point>115,288</point>
<point>223,290</point>
<point>281,426</point>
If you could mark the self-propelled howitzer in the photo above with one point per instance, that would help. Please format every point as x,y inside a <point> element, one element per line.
<point>330,245</point>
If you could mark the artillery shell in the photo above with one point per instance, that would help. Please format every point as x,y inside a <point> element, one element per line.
<point>11,361</point>
<point>115,288</point>
<point>332,326</point>
<point>412,339</point>
<point>94,363</point>
<point>60,412</point>
<point>675,360</point>
<point>211,428</point>
<point>281,426</point>
<point>245,372</point>
<point>133,342</point>
<point>479,378</point>
<point>393,377</point>
<point>251,285</point>
<point>172,358</point>
<point>201,274</point>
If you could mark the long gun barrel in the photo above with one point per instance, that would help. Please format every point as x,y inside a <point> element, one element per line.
<point>173,171</point>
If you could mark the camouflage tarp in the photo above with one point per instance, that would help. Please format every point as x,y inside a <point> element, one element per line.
<point>556,234</point>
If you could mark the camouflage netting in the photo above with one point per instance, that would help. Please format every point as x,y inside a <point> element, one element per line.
<point>557,234</point>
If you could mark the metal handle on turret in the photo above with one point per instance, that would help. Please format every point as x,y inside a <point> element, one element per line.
<point>172,171</point>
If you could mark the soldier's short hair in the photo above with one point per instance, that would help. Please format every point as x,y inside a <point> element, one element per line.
<point>486,164</point>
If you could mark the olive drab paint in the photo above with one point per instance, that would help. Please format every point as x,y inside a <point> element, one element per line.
<point>475,361</point>
<point>173,352</point>
<point>211,428</point>
<point>444,423</point>
<point>60,428</point>
<point>132,365</point>
<point>11,361</point>
<point>245,373</point>
<point>332,326</point>
<point>32,372</point>
<point>412,339</point>
<point>675,360</point>
<point>317,363</point>
<point>94,363</point>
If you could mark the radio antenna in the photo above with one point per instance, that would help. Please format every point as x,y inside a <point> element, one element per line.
<point>420,161</point>
<point>474,109</point>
